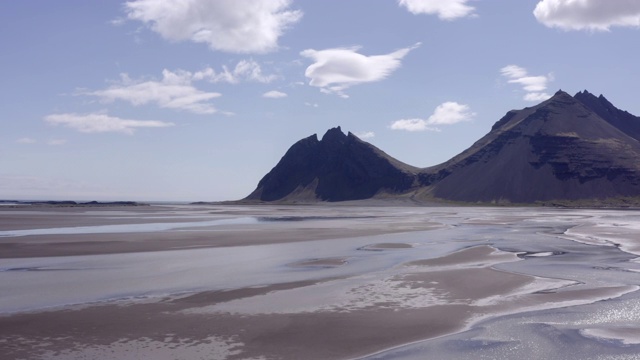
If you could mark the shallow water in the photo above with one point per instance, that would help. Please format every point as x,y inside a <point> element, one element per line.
<point>129,228</point>
<point>576,332</point>
<point>81,279</point>
<point>557,244</point>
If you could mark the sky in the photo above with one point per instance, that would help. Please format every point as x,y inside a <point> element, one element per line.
<point>196,100</point>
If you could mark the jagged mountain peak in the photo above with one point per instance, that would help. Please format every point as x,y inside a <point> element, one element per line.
<point>334,135</point>
<point>585,94</point>
<point>338,167</point>
<point>559,97</point>
<point>563,148</point>
<point>586,97</point>
<point>620,119</point>
<point>541,117</point>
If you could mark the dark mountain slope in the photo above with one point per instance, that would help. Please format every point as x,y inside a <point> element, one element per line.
<point>338,167</point>
<point>559,149</point>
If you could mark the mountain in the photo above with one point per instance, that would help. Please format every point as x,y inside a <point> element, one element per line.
<point>627,123</point>
<point>338,167</point>
<point>560,149</point>
<point>565,148</point>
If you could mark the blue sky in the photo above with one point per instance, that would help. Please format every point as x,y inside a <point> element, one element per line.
<point>197,100</point>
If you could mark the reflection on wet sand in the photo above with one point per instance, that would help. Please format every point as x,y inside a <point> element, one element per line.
<point>324,263</point>
<point>385,246</point>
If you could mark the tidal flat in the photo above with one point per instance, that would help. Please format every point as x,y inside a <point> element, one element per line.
<point>318,282</point>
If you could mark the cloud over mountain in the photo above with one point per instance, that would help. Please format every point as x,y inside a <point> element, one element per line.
<point>594,15</point>
<point>447,113</point>
<point>235,26</point>
<point>334,70</point>
<point>366,135</point>
<point>534,86</point>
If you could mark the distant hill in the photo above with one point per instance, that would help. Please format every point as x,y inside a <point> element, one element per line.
<point>568,148</point>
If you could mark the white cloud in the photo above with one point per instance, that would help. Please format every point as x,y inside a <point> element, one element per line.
<point>450,113</point>
<point>536,97</point>
<point>531,83</point>
<point>174,91</point>
<point>534,86</point>
<point>445,9</point>
<point>447,113</point>
<point>335,70</point>
<point>513,71</point>
<point>247,70</point>
<point>236,26</point>
<point>250,70</point>
<point>26,140</point>
<point>366,135</point>
<point>315,105</point>
<point>98,123</point>
<point>412,125</point>
<point>274,94</point>
<point>594,15</point>
<point>118,21</point>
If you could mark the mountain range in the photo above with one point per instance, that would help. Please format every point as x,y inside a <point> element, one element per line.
<point>572,149</point>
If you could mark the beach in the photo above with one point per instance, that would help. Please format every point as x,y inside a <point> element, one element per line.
<point>317,282</point>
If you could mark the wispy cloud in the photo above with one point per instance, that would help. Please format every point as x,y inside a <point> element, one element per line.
<point>447,113</point>
<point>100,123</point>
<point>534,86</point>
<point>274,94</point>
<point>174,91</point>
<point>245,70</point>
<point>236,26</point>
<point>56,142</point>
<point>53,142</point>
<point>335,70</point>
<point>26,140</point>
<point>593,15</point>
<point>445,10</point>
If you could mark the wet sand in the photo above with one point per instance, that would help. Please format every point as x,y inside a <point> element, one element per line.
<point>386,246</point>
<point>326,262</point>
<point>290,288</point>
<point>265,228</point>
